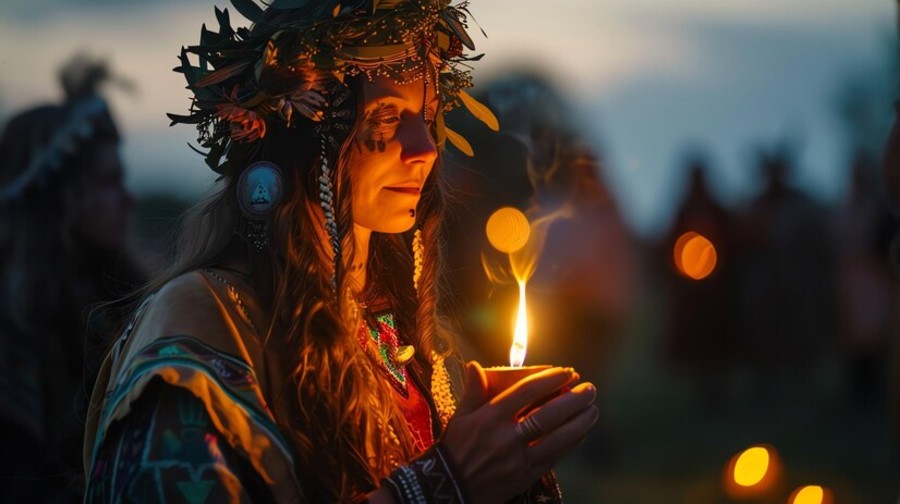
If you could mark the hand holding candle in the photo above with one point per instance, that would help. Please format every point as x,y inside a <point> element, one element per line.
<point>498,454</point>
<point>506,410</point>
<point>509,231</point>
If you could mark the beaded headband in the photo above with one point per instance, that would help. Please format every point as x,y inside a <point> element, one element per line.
<point>298,54</point>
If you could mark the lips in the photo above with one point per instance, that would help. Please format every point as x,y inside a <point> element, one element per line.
<point>414,191</point>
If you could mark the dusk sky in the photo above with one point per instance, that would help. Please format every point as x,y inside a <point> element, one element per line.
<point>650,78</point>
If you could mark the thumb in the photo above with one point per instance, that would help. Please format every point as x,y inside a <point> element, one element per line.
<point>476,389</point>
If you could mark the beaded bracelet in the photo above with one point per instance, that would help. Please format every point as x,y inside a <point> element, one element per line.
<point>428,479</point>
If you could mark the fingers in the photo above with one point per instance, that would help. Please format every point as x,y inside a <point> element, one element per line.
<point>562,440</point>
<point>531,389</point>
<point>556,412</point>
<point>476,389</point>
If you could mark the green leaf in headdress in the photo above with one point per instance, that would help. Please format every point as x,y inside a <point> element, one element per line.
<point>440,131</point>
<point>458,29</point>
<point>385,4</point>
<point>248,9</point>
<point>459,142</point>
<point>224,22</point>
<point>183,119</point>
<point>288,4</point>
<point>191,73</point>
<point>206,38</point>
<point>212,157</point>
<point>222,74</point>
<point>203,94</point>
<point>478,110</point>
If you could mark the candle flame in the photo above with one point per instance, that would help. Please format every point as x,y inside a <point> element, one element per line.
<point>522,241</point>
<point>520,339</point>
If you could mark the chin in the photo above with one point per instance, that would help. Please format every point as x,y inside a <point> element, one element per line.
<point>394,225</point>
<point>399,226</point>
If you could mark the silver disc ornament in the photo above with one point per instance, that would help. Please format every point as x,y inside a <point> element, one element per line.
<point>259,190</point>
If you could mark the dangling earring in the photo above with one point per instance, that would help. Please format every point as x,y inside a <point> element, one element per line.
<point>418,258</point>
<point>326,201</point>
<point>337,121</point>
<point>441,387</point>
<point>259,191</point>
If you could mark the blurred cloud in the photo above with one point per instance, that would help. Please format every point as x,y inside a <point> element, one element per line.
<point>648,76</point>
<point>587,45</point>
<point>756,85</point>
<point>36,11</point>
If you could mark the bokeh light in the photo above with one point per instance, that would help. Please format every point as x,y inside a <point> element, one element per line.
<point>751,466</point>
<point>508,230</point>
<point>695,256</point>
<point>810,494</point>
<point>753,473</point>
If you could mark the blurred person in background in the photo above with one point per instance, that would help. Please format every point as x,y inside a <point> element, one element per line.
<point>702,310</point>
<point>787,282</point>
<point>865,229</point>
<point>64,219</point>
<point>891,174</point>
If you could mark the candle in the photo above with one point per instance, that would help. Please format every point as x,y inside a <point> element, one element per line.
<point>511,233</point>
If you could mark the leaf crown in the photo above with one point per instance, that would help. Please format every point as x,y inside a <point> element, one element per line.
<point>297,53</point>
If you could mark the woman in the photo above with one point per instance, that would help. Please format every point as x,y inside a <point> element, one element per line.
<point>294,351</point>
<point>64,212</point>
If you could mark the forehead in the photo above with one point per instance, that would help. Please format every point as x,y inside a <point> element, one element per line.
<point>414,92</point>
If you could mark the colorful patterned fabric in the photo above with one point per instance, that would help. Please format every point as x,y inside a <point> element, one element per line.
<point>180,443</point>
<point>190,341</point>
<point>169,450</point>
<point>383,332</point>
<point>379,337</point>
<point>186,360</point>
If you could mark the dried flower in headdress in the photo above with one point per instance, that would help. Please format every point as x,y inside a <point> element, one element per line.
<point>246,125</point>
<point>298,53</point>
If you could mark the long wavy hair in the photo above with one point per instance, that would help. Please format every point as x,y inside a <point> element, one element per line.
<point>346,429</point>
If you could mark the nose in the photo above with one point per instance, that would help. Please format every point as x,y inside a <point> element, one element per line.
<point>417,145</point>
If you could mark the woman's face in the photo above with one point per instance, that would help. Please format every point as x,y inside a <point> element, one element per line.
<point>393,153</point>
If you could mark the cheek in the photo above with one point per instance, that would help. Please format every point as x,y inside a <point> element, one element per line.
<point>373,138</point>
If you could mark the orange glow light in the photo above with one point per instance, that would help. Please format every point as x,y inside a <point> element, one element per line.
<point>508,230</point>
<point>751,466</point>
<point>695,256</point>
<point>752,473</point>
<point>810,494</point>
